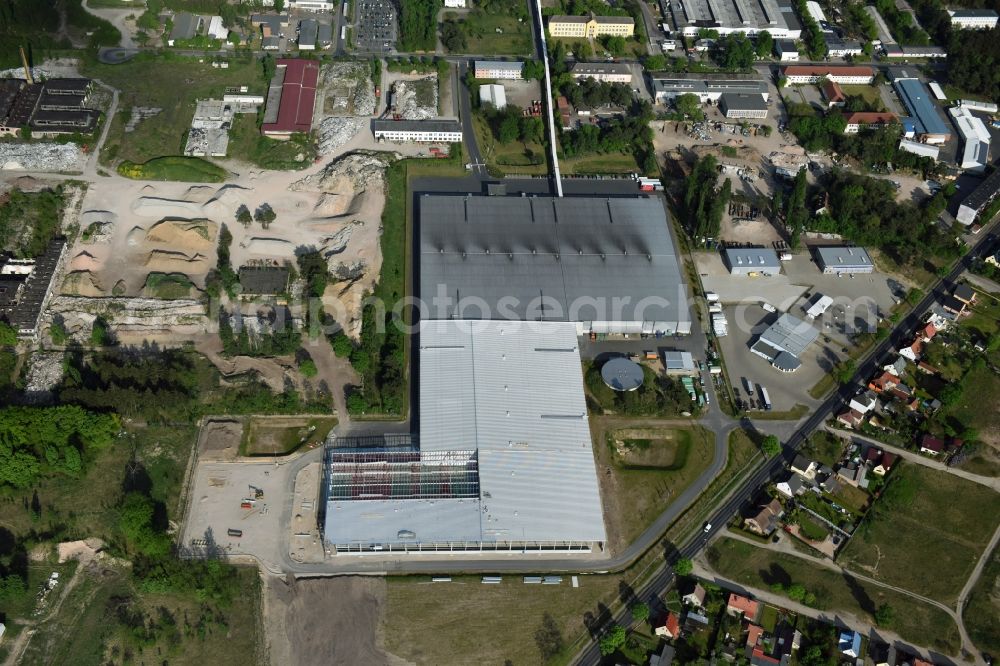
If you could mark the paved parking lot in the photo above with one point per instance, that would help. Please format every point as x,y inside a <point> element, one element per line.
<point>375,26</point>
<point>219,489</point>
<point>786,389</point>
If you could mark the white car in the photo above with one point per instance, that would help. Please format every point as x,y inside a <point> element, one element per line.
<point>708,527</point>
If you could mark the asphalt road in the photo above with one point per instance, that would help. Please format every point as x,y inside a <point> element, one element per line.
<point>465,116</point>
<point>903,330</point>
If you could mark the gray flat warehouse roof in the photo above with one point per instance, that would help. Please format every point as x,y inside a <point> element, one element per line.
<point>543,258</point>
<point>845,257</point>
<point>790,334</point>
<point>743,102</point>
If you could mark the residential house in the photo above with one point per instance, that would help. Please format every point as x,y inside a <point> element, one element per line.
<point>926,368</point>
<point>786,639</point>
<point>994,258</point>
<point>864,402</point>
<point>695,622</point>
<point>791,486</point>
<point>754,632</point>
<point>897,367</point>
<point>882,654</point>
<point>695,596</point>
<point>186,26</point>
<point>954,305</point>
<point>914,351</point>
<point>851,418</point>
<point>671,627</point>
<point>765,521</point>
<point>807,468</point>
<point>886,380</point>
<point>759,658</point>
<point>740,605</point>
<point>880,461</point>
<point>830,484</point>
<point>928,332</point>
<point>931,445</point>
<point>665,657</point>
<point>849,643</point>
<point>965,293</point>
<point>901,392</point>
<point>853,473</point>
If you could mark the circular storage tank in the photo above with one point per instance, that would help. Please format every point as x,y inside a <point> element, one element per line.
<point>622,374</point>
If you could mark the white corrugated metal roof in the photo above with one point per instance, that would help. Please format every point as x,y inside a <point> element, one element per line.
<point>514,390</point>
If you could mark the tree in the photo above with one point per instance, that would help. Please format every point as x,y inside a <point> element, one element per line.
<point>509,129</point>
<point>683,567</point>
<point>689,105</point>
<point>655,63</point>
<point>135,520</point>
<point>771,446</point>
<point>548,638</point>
<point>765,44</point>
<point>100,333</point>
<point>342,345</point>
<point>884,615</point>
<point>796,592</point>
<point>614,44</point>
<point>613,640</point>
<point>308,368</point>
<point>243,215</point>
<point>736,52</point>
<point>534,70</point>
<point>8,336</point>
<point>640,612</point>
<point>265,215</point>
<point>279,5</point>
<point>57,331</point>
<point>453,36</point>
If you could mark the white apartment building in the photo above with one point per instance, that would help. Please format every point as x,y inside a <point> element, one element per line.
<point>498,69</point>
<point>973,19</point>
<point>799,74</point>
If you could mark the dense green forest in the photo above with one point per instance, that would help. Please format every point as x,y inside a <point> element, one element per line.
<point>418,24</point>
<point>30,220</point>
<point>703,203</point>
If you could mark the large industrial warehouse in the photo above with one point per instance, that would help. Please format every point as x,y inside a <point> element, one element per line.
<point>497,468</point>
<point>608,264</point>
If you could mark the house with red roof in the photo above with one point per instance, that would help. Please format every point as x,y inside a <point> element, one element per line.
<point>740,605</point>
<point>928,332</point>
<point>883,382</point>
<point>291,97</point>
<point>914,351</point>
<point>880,461</point>
<point>671,627</point>
<point>851,418</point>
<point>759,658</point>
<point>754,632</point>
<point>931,445</point>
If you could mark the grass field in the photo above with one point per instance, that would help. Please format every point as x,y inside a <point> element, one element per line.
<point>173,84</point>
<point>466,622</point>
<point>183,169</point>
<point>868,93</point>
<point>824,447</point>
<point>945,530</point>
<point>246,143</point>
<point>284,435</point>
<point>482,37</point>
<point>642,484</point>
<point>611,163</point>
<point>761,568</point>
<point>981,613</point>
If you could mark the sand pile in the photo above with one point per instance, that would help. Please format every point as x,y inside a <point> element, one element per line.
<point>186,234</point>
<point>84,261</point>
<point>161,207</point>
<point>82,283</point>
<point>266,246</point>
<point>173,261</point>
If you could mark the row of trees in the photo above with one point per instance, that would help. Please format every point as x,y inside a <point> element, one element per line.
<point>379,359</point>
<point>630,134</point>
<point>901,24</point>
<point>812,35</point>
<point>284,338</point>
<point>704,203</point>
<point>791,208</point>
<point>510,124</point>
<point>590,93</point>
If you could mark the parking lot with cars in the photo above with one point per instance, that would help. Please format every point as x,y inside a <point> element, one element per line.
<point>375,26</point>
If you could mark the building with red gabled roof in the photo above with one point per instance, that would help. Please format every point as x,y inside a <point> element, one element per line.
<point>914,351</point>
<point>833,93</point>
<point>740,605</point>
<point>931,445</point>
<point>868,119</point>
<point>758,658</point>
<point>851,418</point>
<point>671,627</point>
<point>883,382</point>
<point>754,632</point>
<point>928,332</point>
<point>291,97</point>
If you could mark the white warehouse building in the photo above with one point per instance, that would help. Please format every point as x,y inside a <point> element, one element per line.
<point>974,155</point>
<point>417,131</point>
<point>973,19</point>
<point>505,460</point>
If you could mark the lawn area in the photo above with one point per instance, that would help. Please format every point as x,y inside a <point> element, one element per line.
<point>851,498</point>
<point>482,37</point>
<point>985,315</point>
<point>643,482</point>
<point>980,387</point>
<point>171,83</point>
<point>762,568</point>
<point>868,93</point>
<point>177,168</point>
<point>981,613</point>
<point>281,435</point>
<point>944,529</point>
<point>246,143</point>
<point>824,447</point>
<point>514,157</point>
<point>466,622</point>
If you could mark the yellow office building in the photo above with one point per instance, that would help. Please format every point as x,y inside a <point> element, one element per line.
<point>591,26</point>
